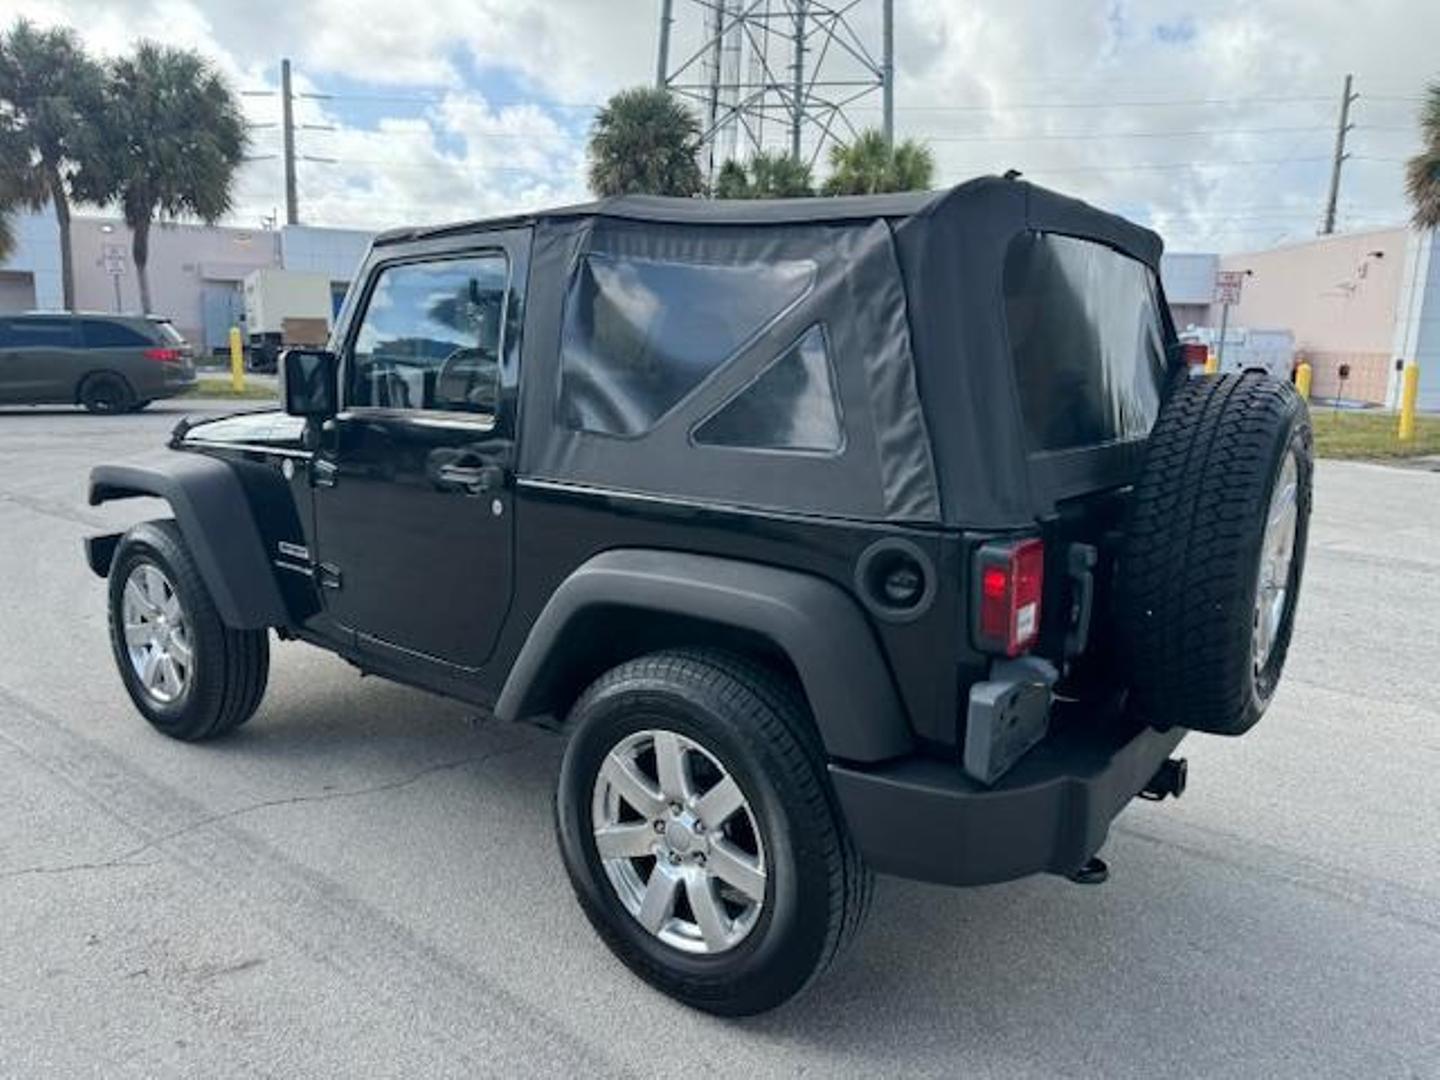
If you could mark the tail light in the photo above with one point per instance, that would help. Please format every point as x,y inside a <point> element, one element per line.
<point>1194,354</point>
<point>1010,578</point>
<point>164,356</point>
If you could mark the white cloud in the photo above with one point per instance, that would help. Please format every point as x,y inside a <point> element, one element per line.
<point>1065,91</point>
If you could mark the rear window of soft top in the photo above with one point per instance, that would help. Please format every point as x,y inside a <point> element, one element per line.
<point>1087,341</point>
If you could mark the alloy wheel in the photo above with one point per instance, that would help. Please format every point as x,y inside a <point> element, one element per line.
<point>1277,552</point>
<point>679,842</point>
<point>157,634</point>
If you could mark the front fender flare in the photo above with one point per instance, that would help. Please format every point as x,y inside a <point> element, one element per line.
<point>819,627</point>
<point>215,518</point>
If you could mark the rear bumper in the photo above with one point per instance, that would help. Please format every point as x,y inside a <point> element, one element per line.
<point>179,379</point>
<point>928,820</point>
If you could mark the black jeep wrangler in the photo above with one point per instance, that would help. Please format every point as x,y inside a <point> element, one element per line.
<point>842,535</point>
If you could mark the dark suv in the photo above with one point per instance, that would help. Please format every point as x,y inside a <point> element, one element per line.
<point>841,535</point>
<point>108,363</point>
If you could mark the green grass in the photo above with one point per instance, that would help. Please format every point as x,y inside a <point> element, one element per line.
<point>220,388</point>
<point>1370,434</point>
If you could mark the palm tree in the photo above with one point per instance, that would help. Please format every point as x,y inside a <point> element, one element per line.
<point>1422,172</point>
<point>174,138</point>
<point>870,165</point>
<point>49,93</point>
<point>733,182</point>
<point>16,182</point>
<point>644,143</point>
<point>768,175</point>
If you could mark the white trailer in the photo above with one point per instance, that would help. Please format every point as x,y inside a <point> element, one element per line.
<point>282,307</point>
<point>1270,351</point>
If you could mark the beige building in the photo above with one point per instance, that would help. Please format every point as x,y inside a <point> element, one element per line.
<point>196,271</point>
<point>1338,295</point>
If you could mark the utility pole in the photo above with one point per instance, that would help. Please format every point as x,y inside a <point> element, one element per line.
<point>797,116</point>
<point>887,71</point>
<point>662,61</point>
<point>1340,132</point>
<point>287,117</point>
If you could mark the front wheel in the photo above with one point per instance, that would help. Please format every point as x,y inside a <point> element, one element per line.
<point>189,674</point>
<point>700,834</point>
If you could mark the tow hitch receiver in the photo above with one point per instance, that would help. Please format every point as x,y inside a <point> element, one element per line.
<point>1169,779</point>
<point>1095,872</point>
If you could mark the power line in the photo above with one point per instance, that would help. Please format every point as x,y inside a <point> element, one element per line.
<point>1082,136</point>
<point>1164,165</point>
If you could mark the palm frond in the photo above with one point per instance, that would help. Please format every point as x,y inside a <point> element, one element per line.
<point>1422,172</point>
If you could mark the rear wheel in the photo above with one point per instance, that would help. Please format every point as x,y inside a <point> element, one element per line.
<point>699,832</point>
<point>1214,552</point>
<point>188,673</point>
<point>106,392</point>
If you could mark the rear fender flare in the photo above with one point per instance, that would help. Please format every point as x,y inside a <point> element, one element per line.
<point>813,622</point>
<point>216,521</point>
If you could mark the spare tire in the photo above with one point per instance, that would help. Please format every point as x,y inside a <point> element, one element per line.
<point>1214,549</point>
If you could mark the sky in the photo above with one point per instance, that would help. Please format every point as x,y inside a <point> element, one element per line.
<point>1212,121</point>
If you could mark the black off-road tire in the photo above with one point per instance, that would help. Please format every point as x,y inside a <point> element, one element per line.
<point>230,667</point>
<point>106,392</point>
<point>1191,561</point>
<point>755,722</point>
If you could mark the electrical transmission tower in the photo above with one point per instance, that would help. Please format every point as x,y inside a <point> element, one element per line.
<point>769,74</point>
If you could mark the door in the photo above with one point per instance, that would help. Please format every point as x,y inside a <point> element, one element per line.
<point>221,307</point>
<point>412,483</point>
<point>37,356</point>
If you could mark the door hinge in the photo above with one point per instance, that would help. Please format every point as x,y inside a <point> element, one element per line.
<point>328,575</point>
<point>324,472</point>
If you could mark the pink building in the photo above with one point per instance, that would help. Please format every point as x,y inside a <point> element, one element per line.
<point>1365,300</point>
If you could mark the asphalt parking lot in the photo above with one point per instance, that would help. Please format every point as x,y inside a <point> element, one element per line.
<point>363,881</point>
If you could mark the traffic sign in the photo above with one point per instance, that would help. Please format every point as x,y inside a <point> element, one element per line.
<point>1227,286</point>
<point>113,255</point>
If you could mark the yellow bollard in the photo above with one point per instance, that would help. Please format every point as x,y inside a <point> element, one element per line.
<point>237,361</point>
<point>1212,363</point>
<point>1303,374</point>
<point>1409,392</point>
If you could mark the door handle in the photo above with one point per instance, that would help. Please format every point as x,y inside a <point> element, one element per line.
<point>471,479</point>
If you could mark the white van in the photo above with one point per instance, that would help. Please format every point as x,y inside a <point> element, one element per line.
<point>1270,351</point>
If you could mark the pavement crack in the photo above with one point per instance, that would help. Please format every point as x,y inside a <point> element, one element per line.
<point>119,862</point>
<point>53,509</point>
<point>127,858</point>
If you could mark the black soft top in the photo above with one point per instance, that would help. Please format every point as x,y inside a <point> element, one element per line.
<point>909,290</point>
<point>1057,212</point>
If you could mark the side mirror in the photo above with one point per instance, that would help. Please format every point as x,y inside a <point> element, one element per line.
<point>311,381</point>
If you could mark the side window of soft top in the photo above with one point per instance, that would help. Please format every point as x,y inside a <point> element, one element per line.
<point>790,406</point>
<point>641,334</point>
<point>431,337</point>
